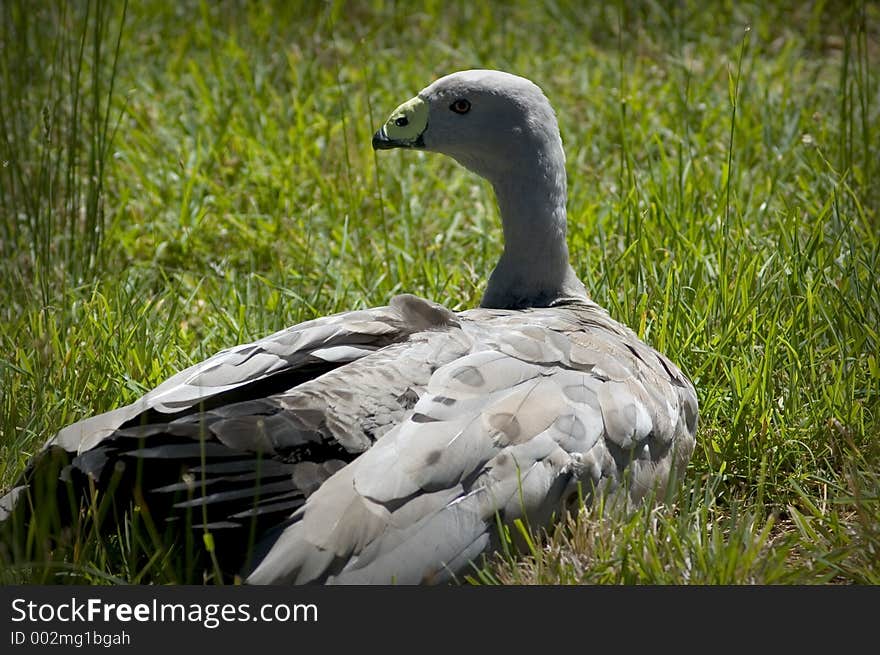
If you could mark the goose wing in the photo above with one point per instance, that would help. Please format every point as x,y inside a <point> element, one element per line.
<point>544,407</point>
<point>254,429</point>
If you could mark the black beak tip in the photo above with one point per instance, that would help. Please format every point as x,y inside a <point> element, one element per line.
<point>381,141</point>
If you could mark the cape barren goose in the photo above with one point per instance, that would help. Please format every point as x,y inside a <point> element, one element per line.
<point>384,445</point>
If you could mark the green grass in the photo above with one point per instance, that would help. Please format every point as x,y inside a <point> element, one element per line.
<point>211,180</point>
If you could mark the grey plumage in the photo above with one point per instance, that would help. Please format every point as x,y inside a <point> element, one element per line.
<point>520,423</point>
<point>383,445</point>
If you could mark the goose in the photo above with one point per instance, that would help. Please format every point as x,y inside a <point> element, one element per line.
<point>388,445</point>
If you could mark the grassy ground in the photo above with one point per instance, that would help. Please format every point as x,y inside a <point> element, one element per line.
<point>204,177</point>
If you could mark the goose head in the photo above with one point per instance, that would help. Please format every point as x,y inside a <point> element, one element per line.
<point>490,121</point>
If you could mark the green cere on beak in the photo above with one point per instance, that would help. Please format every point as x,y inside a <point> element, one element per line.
<point>405,127</point>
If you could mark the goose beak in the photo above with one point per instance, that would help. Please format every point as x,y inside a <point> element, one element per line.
<point>381,141</point>
<point>405,128</point>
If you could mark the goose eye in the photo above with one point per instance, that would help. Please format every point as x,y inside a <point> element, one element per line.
<point>460,106</point>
